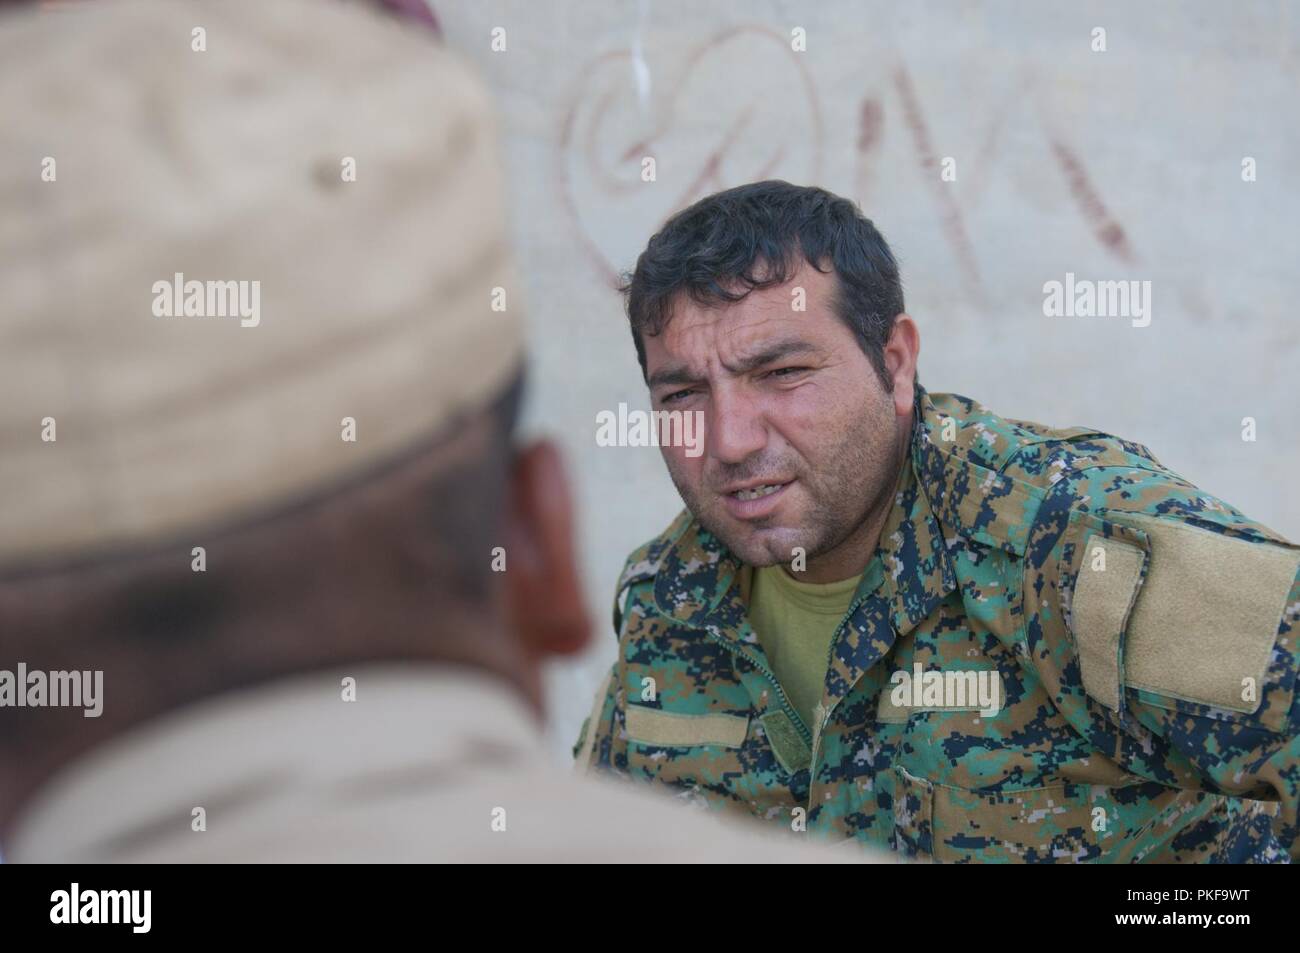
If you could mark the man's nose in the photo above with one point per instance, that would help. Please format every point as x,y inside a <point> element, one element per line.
<point>736,428</point>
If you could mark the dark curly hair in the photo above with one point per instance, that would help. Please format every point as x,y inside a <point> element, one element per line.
<point>753,236</point>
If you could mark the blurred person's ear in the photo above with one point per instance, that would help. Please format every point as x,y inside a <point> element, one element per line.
<point>546,605</point>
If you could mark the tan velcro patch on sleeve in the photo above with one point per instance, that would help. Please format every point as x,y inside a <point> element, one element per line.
<point>650,726</point>
<point>1102,599</point>
<point>1205,622</point>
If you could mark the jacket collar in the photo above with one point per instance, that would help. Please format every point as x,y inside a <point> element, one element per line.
<point>913,551</point>
<point>959,450</point>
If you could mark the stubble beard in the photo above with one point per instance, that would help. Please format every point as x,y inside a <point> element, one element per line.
<point>853,494</point>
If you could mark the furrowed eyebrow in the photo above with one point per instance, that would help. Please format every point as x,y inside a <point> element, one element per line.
<point>674,375</point>
<point>773,352</point>
<point>678,374</point>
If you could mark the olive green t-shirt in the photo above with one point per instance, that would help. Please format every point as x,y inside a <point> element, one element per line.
<point>794,622</point>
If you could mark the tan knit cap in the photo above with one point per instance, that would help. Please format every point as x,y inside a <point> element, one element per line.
<point>324,175</point>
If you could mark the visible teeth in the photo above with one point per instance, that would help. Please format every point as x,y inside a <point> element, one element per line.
<point>755,492</point>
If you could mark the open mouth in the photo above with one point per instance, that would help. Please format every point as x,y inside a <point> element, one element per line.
<point>754,502</point>
<point>757,492</point>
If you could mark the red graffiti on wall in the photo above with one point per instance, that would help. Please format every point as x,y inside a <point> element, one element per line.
<point>608,179</point>
<point>720,157</point>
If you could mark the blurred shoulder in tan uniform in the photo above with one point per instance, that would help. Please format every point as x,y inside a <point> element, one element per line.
<point>429,764</point>
<point>259,474</point>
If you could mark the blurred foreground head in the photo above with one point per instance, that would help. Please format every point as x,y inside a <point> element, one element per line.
<point>261,358</point>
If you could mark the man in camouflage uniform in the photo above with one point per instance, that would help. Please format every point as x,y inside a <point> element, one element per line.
<point>1141,632</point>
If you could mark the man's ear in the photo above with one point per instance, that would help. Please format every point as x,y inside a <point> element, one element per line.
<point>901,353</point>
<point>546,605</point>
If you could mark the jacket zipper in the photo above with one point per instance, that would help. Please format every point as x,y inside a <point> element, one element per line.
<point>804,731</point>
<point>788,708</point>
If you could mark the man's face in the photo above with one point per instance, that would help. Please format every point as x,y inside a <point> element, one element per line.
<point>801,438</point>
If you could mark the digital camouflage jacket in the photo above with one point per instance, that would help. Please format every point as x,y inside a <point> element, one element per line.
<point>1142,631</point>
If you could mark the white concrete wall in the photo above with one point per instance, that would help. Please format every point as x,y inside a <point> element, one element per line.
<point>1124,164</point>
